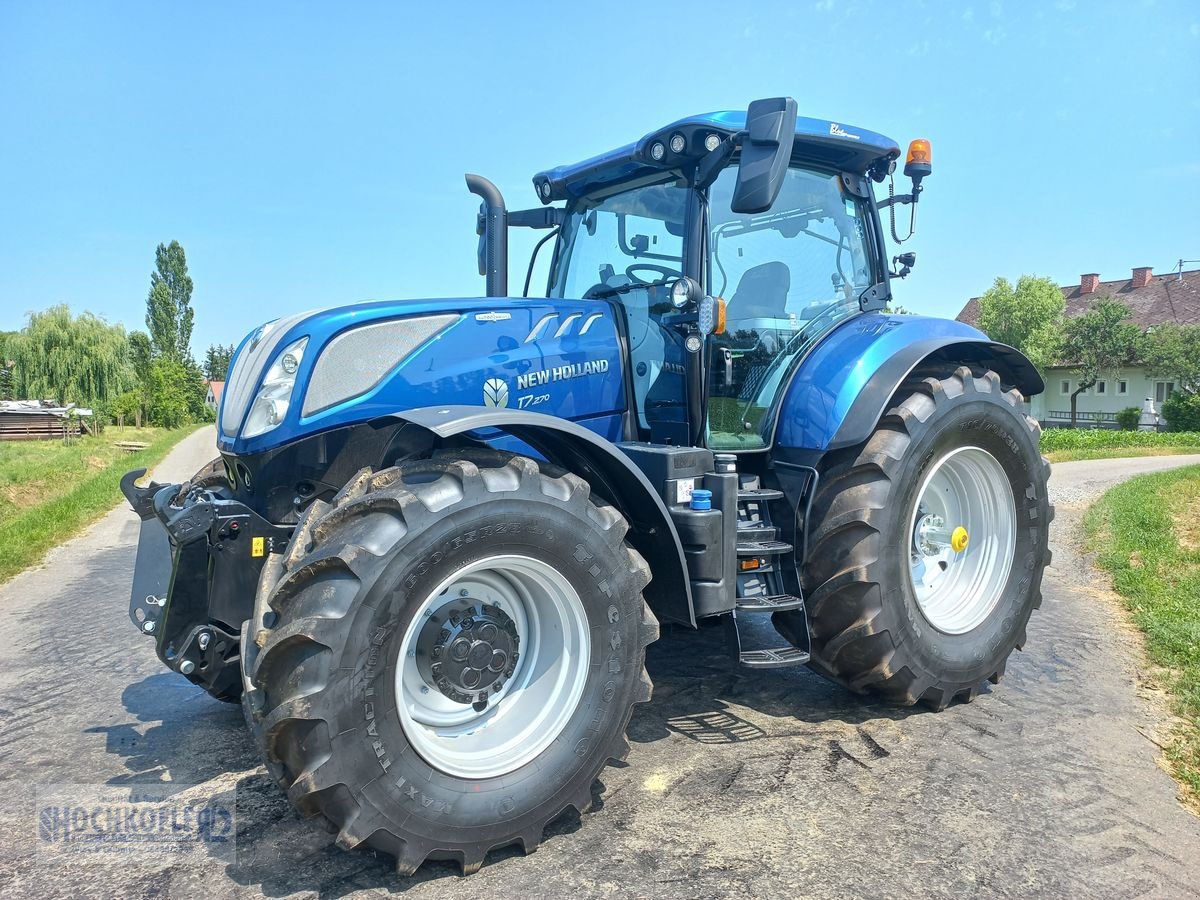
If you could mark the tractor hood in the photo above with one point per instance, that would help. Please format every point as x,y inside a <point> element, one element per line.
<point>314,371</point>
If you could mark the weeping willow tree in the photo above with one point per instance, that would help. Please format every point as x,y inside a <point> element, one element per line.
<point>8,341</point>
<point>72,359</point>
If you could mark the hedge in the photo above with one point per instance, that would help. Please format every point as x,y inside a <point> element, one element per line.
<point>1103,439</point>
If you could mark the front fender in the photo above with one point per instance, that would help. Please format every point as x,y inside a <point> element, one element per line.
<point>840,391</point>
<point>602,465</point>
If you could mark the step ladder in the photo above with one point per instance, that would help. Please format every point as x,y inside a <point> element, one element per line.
<point>760,557</point>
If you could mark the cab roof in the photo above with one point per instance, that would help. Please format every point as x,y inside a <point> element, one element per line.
<point>845,148</point>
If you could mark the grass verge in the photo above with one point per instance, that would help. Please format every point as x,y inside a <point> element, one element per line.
<point>1146,532</point>
<point>49,492</point>
<point>1057,456</point>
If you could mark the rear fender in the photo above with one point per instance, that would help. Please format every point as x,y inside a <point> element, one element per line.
<point>603,466</point>
<point>842,389</point>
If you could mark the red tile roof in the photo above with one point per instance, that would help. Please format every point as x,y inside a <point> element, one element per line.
<point>1166,298</point>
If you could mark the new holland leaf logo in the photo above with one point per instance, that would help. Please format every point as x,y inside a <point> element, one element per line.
<point>495,392</point>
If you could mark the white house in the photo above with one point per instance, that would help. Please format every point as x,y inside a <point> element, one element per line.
<point>213,399</point>
<point>1152,300</point>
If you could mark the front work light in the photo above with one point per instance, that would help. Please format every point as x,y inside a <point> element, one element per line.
<point>273,398</point>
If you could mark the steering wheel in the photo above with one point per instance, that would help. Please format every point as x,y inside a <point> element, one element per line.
<point>663,272</point>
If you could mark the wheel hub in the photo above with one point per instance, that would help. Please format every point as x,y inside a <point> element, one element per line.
<point>469,653</point>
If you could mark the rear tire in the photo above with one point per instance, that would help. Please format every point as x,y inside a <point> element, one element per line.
<point>339,658</point>
<point>952,448</point>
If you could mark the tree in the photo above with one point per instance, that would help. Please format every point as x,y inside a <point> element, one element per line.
<point>8,343</point>
<point>1100,340</point>
<point>170,404</point>
<point>216,361</point>
<point>72,359</point>
<point>169,314</point>
<point>128,405</point>
<point>1173,352</point>
<point>1028,317</point>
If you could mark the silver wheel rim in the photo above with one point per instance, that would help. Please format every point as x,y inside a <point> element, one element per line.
<point>962,540</point>
<point>532,707</point>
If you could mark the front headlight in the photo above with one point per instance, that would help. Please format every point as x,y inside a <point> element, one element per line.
<point>273,398</point>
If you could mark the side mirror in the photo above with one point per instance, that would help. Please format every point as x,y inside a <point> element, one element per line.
<point>766,152</point>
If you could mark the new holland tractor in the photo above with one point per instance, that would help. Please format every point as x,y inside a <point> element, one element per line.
<point>440,534</point>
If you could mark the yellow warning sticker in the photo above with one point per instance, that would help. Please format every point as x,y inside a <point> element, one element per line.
<point>257,547</point>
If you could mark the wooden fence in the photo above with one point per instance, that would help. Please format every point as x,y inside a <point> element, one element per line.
<point>17,426</point>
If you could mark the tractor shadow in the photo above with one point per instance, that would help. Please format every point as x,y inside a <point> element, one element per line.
<point>700,694</point>
<point>282,854</point>
<point>703,694</point>
<point>192,738</point>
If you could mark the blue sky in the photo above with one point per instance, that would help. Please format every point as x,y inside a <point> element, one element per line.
<point>305,157</point>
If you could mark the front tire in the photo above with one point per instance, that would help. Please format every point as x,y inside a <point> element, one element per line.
<point>367,686</point>
<point>928,544</point>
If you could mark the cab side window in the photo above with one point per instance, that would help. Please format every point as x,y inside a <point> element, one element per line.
<point>786,275</point>
<point>628,248</point>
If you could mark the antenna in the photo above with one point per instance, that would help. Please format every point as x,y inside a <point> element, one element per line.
<point>1179,267</point>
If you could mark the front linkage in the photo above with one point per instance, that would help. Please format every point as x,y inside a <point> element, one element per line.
<point>198,562</point>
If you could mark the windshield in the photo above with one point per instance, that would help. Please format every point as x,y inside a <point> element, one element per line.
<point>788,275</point>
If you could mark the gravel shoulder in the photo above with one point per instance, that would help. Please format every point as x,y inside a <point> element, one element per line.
<point>739,783</point>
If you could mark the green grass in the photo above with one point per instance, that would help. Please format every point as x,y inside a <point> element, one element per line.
<point>1057,456</point>
<point>49,492</point>
<point>1146,532</point>
<point>1107,439</point>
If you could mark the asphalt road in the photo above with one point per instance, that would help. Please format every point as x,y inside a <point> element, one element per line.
<point>761,785</point>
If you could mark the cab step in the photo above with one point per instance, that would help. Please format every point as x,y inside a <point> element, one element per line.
<point>773,658</point>
<point>759,495</point>
<point>756,531</point>
<point>774,603</point>
<point>762,548</point>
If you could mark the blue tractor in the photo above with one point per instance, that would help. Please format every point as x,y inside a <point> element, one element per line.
<point>440,534</point>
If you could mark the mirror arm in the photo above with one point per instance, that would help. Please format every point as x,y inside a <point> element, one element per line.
<point>896,198</point>
<point>542,217</point>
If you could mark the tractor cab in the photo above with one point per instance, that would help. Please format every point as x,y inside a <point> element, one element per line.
<point>728,244</point>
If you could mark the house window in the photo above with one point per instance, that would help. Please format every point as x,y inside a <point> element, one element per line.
<point>1163,390</point>
<point>1101,387</point>
<point>1122,387</point>
<point>1064,386</point>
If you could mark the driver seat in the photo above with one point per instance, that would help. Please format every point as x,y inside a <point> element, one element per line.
<point>761,293</point>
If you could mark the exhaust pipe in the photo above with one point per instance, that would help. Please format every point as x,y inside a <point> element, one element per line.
<point>492,228</point>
